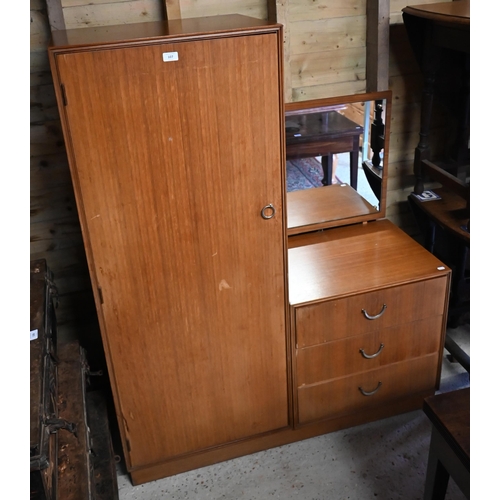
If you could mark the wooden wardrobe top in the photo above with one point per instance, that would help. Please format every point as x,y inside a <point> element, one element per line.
<point>149,31</point>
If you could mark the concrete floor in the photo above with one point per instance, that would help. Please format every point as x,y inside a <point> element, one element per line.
<point>383,460</point>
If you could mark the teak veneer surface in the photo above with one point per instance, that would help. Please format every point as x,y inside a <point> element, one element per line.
<point>342,357</point>
<point>355,259</point>
<point>340,318</point>
<point>343,396</point>
<point>172,165</point>
<point>326,204</point>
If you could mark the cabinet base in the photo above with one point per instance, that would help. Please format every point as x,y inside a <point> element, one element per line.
<point>274,439</point>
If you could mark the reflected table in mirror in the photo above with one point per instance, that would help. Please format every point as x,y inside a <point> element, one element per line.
<point>323,134</point>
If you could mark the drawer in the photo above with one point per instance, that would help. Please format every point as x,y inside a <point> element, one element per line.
<point>343,396</point>
<point>369,312</point>
<point>390,345</point>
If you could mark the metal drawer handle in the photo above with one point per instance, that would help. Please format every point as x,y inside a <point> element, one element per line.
<point>368,316</point>
<point>264,214</point>
<point>371,356</point>
<point>372,392</point>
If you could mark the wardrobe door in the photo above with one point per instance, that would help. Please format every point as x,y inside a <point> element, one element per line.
<point>175,150</point>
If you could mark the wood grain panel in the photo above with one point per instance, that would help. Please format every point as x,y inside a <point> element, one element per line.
<point>189,9</point>
<point>62,204</point>
<point>326,35</point>
<point>43,105</point>
<point>49,171</point>
<point>336,319</point>
<point>193,301</point>
<point>47,236</point>
<point>328,90</point>
<point>343,357</point>
<point>76,3</point>
<point>39,30</point>
<point>353,259</point>
<point>320,68</point>
<point>46,138</point>
<point>88,14</point>
<point>343,396</point>
<point>329,204</point>
<point>302,10</point>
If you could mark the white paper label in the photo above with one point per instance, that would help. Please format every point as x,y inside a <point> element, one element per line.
<point>33,334</point>
<point>170,56</point>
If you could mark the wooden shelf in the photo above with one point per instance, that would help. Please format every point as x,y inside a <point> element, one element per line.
<point>451,212</point>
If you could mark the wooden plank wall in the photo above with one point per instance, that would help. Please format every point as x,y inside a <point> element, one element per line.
<point>325,55</point>
<point>183,9</point>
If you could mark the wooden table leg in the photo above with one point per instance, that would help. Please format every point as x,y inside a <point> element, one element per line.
<point>442,461</point>
<point>437,477</point>
<point>449,450</point>
<point>327,164</point>
<point>353,159</point>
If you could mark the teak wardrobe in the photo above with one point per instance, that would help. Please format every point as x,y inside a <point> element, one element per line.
<point>175,139</point>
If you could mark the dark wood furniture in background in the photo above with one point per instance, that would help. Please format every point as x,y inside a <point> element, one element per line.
<point>323,134</point>
<point>434,30</point>
<point>439,34</point>
<point>43,383</point>
<point>449,452</point>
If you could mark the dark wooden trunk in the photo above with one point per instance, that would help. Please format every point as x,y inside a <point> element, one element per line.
<point>43,383</point>
<point>70,447</point>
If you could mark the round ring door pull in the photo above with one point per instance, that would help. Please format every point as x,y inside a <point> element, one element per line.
<point>369,316</point>
<point>268,212</point>
<point>371,356</point>
<point>371,393</point>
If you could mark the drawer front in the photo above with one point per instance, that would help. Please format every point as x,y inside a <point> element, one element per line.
<point>343,396</point>
<point>369,351</point>
<point>369,312</point>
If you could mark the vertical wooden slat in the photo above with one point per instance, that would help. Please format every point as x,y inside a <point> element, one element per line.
<point>377,45</point>
<point>56,17</point>
<point>173,9</point>
<point>278,12</point>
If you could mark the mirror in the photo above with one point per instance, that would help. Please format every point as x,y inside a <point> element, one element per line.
<point>336,150</point>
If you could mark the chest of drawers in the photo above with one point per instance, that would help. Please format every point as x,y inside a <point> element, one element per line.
<point>368,310</point>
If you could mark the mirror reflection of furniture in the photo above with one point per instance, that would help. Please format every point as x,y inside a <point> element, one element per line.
<point>324,134</point>
<point>341,157</point>
<point>373,168</point>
